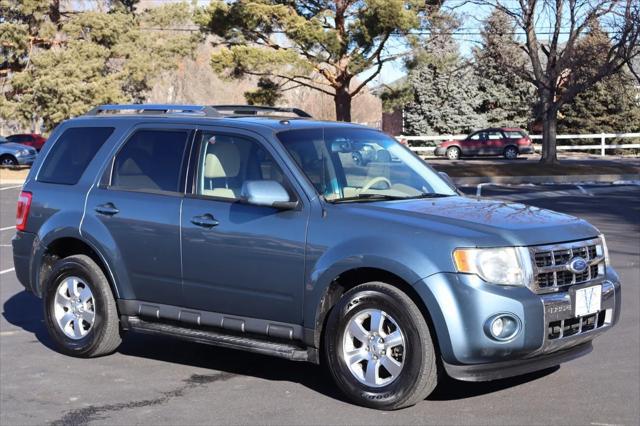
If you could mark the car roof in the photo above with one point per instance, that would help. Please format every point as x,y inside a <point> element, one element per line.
<point>251,122</point>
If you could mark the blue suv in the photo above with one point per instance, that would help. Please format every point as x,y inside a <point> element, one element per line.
<point>241,228</point>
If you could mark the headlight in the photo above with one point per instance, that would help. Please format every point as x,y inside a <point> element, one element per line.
<point>603,250</point>
<point>504,265</point>
<point>23,152</point>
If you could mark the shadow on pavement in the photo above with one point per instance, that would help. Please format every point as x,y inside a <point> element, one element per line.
<point>25,310</point>
<point>451,389</point>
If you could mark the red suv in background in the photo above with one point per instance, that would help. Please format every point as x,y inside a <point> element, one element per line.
<point>506,141</point>
<point>30,139</point>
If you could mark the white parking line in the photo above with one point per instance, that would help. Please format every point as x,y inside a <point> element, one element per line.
<point>6,228</point>
<point>7,270</point>
<point>10,187</point>
<point>584,191</point>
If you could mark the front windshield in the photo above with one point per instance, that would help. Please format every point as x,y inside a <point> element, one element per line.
<point>347,163</point>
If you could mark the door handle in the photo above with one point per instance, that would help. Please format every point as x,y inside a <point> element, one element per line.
<point>204,221</point>
<point>107,209</point>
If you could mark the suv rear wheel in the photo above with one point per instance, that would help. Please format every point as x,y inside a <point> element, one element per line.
<point>79,308</point>
<point>379,348</point>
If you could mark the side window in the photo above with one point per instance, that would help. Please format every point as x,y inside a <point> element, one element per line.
<point>151,160</point>
<point>475,136</point>
<point>226,163</point>
<point>71,154</point>
<point>495,135</point>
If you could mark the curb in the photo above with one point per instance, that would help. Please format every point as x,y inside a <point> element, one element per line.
<point>569,179</point>
<point>11,181</point>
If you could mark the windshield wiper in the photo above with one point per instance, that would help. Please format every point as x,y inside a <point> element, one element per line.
<point>430,195</point>
<point>367,197</point>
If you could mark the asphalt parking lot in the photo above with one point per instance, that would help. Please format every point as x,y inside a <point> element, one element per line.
<point>153,380</point>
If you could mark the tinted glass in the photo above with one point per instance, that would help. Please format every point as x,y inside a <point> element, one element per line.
<point>361,164</point>
<point>72,153</point>
<point>513,134</point>
<point>227,162</point>
<point>151,160</point>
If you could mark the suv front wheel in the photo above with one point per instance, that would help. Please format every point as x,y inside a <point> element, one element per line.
<point>79,308</point>
<point>379,348</point>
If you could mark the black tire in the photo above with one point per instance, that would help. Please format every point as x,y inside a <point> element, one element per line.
<point>419,374</point>
<point>454,153</point>
<point>104,336</point>
<point>510,153</point>
<point>8,160</point>
<point>358,159</point>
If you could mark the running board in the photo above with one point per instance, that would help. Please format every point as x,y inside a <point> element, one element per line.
<point>217,338</point>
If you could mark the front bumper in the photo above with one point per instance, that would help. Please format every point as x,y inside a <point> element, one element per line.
<point>26,160</point>
<point>526,150</point>
<point>461,304</point>
<point>440,151</point>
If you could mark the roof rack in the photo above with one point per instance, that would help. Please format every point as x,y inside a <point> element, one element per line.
<point>256,109</point>
<point>202,110</point>
<point>155,109</point>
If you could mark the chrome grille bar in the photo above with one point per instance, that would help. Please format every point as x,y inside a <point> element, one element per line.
<point>551,269</point>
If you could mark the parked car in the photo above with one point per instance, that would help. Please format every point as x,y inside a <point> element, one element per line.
<point>30,139</point>
<point>14,154</point>
<point>507,142</point>
<point>249,232</point>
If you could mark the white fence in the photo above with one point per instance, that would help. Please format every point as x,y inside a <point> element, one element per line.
<point>602,146</point>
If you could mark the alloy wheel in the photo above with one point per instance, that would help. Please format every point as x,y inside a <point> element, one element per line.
<point>374,347</point>
<point>74,308</point>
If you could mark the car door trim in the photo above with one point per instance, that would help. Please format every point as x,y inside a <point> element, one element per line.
<point>193,317</point>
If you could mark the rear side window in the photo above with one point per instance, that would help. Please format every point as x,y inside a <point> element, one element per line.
<point>72,153</point>
<point>151,160</point>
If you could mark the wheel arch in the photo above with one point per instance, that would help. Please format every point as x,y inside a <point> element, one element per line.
<point>351,278</point>
<point>65,246</point>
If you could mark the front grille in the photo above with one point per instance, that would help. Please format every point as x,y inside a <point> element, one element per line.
<point>571,326</point>
<point>552,271</point>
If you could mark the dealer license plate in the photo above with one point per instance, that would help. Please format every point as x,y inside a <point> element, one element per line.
<point>588,300</point>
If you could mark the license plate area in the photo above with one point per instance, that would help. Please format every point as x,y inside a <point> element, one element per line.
<point>586,300</point>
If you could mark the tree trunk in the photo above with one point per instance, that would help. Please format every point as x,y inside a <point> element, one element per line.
<point>342,100</point>
<point>549,125</point>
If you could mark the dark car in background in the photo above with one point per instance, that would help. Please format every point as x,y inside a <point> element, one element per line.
<point>507,141</point>
<point>33,140</point>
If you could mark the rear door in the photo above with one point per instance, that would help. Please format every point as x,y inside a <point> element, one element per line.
<point>139,203</point>
<point>494,143</point>
<point>238,258</point>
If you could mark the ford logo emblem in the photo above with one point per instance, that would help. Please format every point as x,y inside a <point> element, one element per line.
<point>577,265</point>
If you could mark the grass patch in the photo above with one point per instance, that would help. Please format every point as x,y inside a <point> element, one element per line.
<point>535,169</point>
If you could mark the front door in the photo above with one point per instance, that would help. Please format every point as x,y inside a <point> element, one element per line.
<point>239,258</point>
<point>139,206</point>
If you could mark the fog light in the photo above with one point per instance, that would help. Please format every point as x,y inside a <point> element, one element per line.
<point>502,327</point>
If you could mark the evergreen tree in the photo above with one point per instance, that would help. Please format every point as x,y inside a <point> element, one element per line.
<point>445,93</point>
<point>506,99</point>
<point>611,105</point>
<point>86,58</point>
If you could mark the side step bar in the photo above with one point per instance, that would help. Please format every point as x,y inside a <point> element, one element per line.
<point>217,338</point>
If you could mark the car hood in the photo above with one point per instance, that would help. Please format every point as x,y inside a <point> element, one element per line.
<point>12,146</point>
<point>482,222</point>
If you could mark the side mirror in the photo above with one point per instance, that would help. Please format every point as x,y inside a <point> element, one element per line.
<point>448,179</point>
<point>268,193</point>
<point>341,147</point>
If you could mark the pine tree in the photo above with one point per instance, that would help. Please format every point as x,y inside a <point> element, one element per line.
<point>506,99</point>
<point>445,93</point>
<point>87,58</point>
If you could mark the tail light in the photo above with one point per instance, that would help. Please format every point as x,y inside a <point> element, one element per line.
<point>22,211</point>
